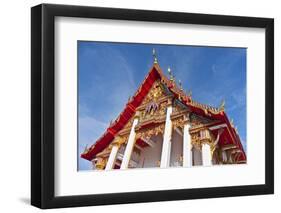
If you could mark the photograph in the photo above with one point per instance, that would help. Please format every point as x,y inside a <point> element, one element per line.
<point>139,105</point>
<point>160,106</point>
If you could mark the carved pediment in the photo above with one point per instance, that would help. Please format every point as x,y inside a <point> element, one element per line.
<point>155,93</point>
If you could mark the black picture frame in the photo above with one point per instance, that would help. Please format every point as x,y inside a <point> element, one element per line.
<point>43,111</point>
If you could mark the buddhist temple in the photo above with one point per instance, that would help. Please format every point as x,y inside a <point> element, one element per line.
<point>162,126</point>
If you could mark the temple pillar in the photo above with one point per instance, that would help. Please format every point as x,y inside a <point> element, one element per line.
<point>206,154</point>
<point>112,157</point>
<point>166,147</point>
<point>187,146</point>
<point>130,145</point>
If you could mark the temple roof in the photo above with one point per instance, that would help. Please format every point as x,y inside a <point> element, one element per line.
<point>153,75</point>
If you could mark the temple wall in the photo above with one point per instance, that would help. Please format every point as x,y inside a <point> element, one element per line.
<point>197,157</point>
<point>176,149</point>
<point>151,156</point>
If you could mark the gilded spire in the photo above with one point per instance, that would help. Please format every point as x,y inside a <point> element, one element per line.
<point>172,77</point>
<point>154,56</point>
<point>180,84</point>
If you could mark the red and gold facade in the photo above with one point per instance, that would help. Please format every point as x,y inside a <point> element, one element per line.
<point>161,126</point>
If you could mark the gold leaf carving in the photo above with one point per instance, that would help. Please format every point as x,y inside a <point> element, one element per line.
<point>148,132</point>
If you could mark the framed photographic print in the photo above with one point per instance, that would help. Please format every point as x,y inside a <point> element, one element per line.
<point>140,106</point>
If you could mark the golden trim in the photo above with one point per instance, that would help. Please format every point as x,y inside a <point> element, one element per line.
<point>146,133</point>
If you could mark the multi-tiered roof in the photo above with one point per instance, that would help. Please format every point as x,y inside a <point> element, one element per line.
<point>229,138</point>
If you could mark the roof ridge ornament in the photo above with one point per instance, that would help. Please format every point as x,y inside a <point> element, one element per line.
<point>86,149</point>
<point>172,77</point>
<point>180,84</point>
<point>155,61</point>
<point>222,106</point>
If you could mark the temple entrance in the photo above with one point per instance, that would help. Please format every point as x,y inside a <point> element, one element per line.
<point>176,149</point>
<point>150,155</point>
<point>196,157</point>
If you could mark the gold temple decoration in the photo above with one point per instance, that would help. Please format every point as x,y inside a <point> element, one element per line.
<point>155,61</point>
<point>203,136</point>
<point>148,133</point>
<point>154,104</point>
<point>178,122</point>
<point>118,141</point>
<point>195,141</point>
<point>158,163</point>
<point>154,94</point>
<point>122,139</point>
<point>206,108</point>
<point>180,84</point>
<point>100,164</point>
<point>172,77</point>
<point>105,152</point>
<point>157,114</point>
<point>129,124</point>
<point>215,142</point>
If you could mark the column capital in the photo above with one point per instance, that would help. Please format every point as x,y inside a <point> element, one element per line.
<point>186,119</point>
<point>115,143</point>
<point>137,115</point>
<point>100,164</point>
<point>170,102</point>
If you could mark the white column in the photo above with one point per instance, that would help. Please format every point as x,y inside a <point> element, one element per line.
<point>166,147</point>
<point>130,146</point>
<point>112,157</point>
<point>206,155</point>
<point>187,147</point>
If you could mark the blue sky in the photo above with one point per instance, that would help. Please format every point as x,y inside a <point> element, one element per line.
<point>111,72</point>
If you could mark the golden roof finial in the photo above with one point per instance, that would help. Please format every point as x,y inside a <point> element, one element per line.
<point>154,56</point>
<point>180,84</point>
<point>222,106</point>
<point>172,77</point>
